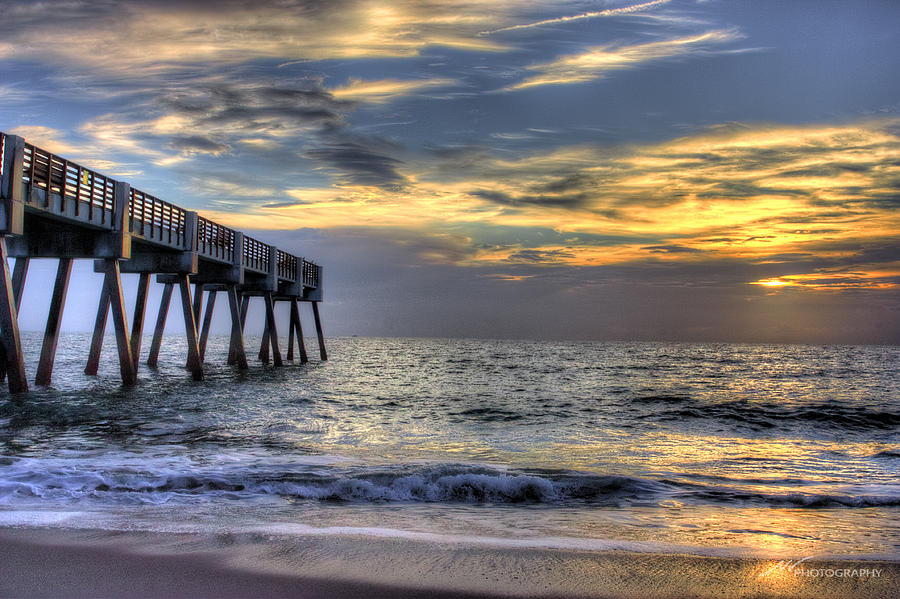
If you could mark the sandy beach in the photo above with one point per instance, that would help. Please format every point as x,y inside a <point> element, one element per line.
<point>84,563</point>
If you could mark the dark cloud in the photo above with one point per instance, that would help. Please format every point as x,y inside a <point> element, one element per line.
<point>358,164</point>
<point>671,249</point>
<point>572,182</point>
<point>561,201</point>
<point>202,144</point>
<point>540,256</point>
<point>256,107</point>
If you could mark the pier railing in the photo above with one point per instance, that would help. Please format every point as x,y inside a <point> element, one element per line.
<point>69,190</point>
<point>310,274</point>
<point>256,255</point>
<point>155,220</point>
<point>215,241</point>
<point>287,266</point>
<point>91,194</point>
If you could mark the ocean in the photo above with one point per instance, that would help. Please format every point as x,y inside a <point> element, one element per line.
<point>708,449</point>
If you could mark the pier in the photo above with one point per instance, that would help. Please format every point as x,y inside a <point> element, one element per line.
<point>51,207</point>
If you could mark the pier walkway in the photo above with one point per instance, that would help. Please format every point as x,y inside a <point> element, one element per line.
<point>51,207</point>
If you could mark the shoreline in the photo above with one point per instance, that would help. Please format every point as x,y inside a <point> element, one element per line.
<point>51,562</point>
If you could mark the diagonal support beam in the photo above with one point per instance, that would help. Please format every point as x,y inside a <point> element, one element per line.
<point>93,362</point>
<point>153,358</point>
<point>237,330</point>
<point>194,363</point>
<point>54,320</point>
<point>242,318</point>
<point>9,326</point>
<point>18,283</point>
<point>322,353</point>
<point>207,321</point>
<point>113,284</point>
<point>140,308</point>
<point>295,323</point>
<point>264,344</point>
<point>273,330</point>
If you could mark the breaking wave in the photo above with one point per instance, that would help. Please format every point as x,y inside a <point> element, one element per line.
<point>445,483</point>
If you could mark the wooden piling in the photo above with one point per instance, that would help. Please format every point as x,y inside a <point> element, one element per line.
<point>93,362</point>
<point>273,329</point>
<point>322,353</point>
<point>263,354</point>
<point>207,321</point>
<point>237,330</point>
<point>290,352</point>
<point>295,322</point>
<point>18,283</point>
<point>198,301</point>
<point>9,326</point>
<point>153,358</point>
<point>18,280</point>
<point>137,326</point>
<point>54,320</point>
<point>241,318</point>
<point>113,284</point>
<point>195,364</point>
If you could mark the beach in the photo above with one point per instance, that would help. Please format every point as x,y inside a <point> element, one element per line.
<point>439,468</point>
<point>55,563</point>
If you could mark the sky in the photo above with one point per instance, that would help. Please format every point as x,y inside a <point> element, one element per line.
<point>678,170</point>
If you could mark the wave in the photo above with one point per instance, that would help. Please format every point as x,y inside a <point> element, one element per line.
<point>27,480</point>
<point>768,415</point>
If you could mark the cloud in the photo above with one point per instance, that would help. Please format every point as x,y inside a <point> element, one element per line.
<point>540,256</point>
<point>358,164</point>
<point>670,249</point>
<point>597,61</point>
<point>561,201</point>
<point>213,116</point>
<point>610,12</point>
<point>386,90</point>
<point>203,144</point>
<point>138,39</point>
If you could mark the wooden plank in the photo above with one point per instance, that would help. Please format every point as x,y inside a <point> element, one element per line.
<point>295,321</point>
<point>273,330</point>
<point>54,320</point>
<point>153,358</point>
<point>195,364</point>
<point>322,353</point>
<point>207,321</point>
<point>140,308</point>
<point>237,329</point>
<point>99,330</point>
<point>9,327</point>
<point>120,321</point>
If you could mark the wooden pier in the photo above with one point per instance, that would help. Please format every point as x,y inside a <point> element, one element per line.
<point>51,207</point>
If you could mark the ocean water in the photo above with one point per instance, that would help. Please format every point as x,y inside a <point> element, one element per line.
<point>711,449</point>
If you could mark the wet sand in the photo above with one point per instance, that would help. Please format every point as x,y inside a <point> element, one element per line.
<point>83,563</point>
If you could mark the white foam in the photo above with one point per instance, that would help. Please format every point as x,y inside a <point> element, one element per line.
<point>37,517</point>
<point>564,543</point>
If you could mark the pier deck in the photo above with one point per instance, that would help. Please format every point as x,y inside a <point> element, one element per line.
<point>51,207</point>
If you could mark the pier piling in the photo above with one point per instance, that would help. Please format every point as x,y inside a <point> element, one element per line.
<point>195,364</point>
<point>322,353</point>
<point>9,327</point>
<point>54,320</point>
<point>165,300</point>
